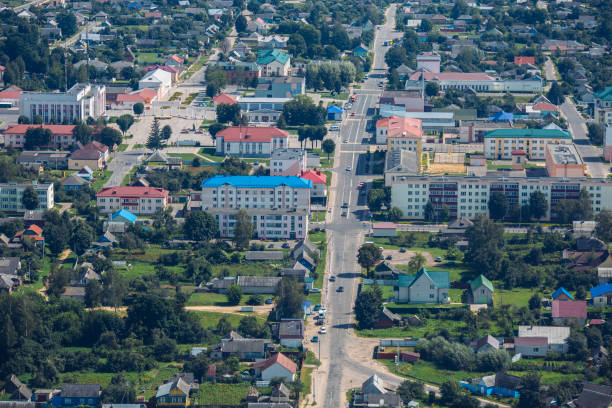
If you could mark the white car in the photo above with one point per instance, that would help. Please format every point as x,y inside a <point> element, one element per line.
<point>323,330</point>
<point>346,141</point>
<point>348,168</point>
<point>323,310</point>
<point>333,128</point>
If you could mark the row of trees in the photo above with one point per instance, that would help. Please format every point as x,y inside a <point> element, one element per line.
<point>333,76</point>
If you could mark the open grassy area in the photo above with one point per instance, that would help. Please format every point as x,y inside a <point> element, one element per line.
<point>427,372</point>
<point>306,378</point>
<point>342,96</point>
<point>221,394</point>
<point>318,216</point>
<point>101,178</point>
<point>212,299</point>
<point>122,147</point>
<point>517,297</point>
<point>329,175</point>
<point>210,319</point>
<point>209,153</point>
<point>430,325</point>
<point>149,58</point>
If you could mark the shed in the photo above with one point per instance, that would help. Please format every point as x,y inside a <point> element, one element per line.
<point>334,112</point>
<point>384,229</point>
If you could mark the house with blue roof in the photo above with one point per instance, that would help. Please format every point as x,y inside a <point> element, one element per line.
<point>424,287</point>
<point>334,112</point>
<point>361,51</point>
<point>562,294</point>
<point>123,216</point>
<point>602,295</point>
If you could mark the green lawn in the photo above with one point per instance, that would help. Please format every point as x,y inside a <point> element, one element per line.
<point>342,96</point>
<point>122,147</point>
<point>306,378</point>
<point>318,216</point>
<point>101,179</point>
<point>430,325</point>
<point>518,297</point>
<point>148,58</point>
<point>212,299</point>
<point>210,319</point>
<point>427,372</point>
<point>221,394</point>
<point>209,152</point>
<point>329,175</point>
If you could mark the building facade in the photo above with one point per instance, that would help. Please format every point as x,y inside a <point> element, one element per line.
<point>287,162</point>
<point>11,195</point>
<point>250,141</point>
<point>563,160</point>
<point>500,143</point>
<point>137,200</point>
<point>78,103</point>
<point>279,206</point>
<point>603,106</point>
<point>62,138</point>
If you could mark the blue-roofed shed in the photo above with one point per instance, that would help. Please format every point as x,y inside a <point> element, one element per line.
<point>502,116</point>
<point>562,294</point>
<point>123,216</point>
<point>334,112</point>
<point>257,181</point>
<point>602,295</point>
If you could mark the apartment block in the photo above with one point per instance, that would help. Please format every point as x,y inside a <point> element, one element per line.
<point>287,162</point>
<point>603,106</point>
<point>279,205</point>
<point>11,195</point>
<point>62,138</point>
<point>564,160</point>
<point>500,143</point>
<point>399,133</point>
<point>137,200</point>
<point>250,141</point>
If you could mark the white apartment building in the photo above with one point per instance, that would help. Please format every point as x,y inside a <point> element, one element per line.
<point>78,103</point>
<point>12,193</point>
<point>137,200</point>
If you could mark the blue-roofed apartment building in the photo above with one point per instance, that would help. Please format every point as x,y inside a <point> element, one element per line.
<point>279,205</point>
<point>424,287</point>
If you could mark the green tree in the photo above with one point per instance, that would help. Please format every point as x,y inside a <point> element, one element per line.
<point>328,146</point>
<point>429,211</point>
<point>411,390</point>
<point>93,294</point>
<point>301,110</point>
<point>110,136</point>
<point>115,288</point>
<point>368,256</point>
<point>80,238</point>
<point>119,390</point>
<point>395,214</point>
<point>82,133</point>
<point>228,112</point>
<point>555,94</point>
<point>243,229</point>
<point>395,57</point>
<point>234,294</point>
<point>155,141</point>
<point>538,205</point>
<point>22,119</point>
<point>367,308</point>
<point>417,262</point>
<point>198,366</point>
<point>200,226</point>
<point>241,24</point>
<point>166,132</point>
<point>29,199</point>
<point>449,391</point>
<point>485,243</point>
<point>125,122</point>
<point>432,89</point>
<point>535,302</point>
<point>290,297</point>
<point>376,199</point>
<point>498,205</point>
<point>603,229</point>
<point>426,26</point>
<point>595,133</point>
<point>531,393</point>
<point>37,137</point>
<point>138,108</point>
<point>67,22</point>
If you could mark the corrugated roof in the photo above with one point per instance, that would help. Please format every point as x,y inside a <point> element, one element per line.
<point>569,309</point>
<point>55,129</point>
<point>133,191</point>
<point>562,291</point>
<point>257,181</point>
<point>601,289</point>
<point>530,341</point>
<point>480,281</point>
<point>251,134</point>
<point>279,358</point>
<point>528,133</point>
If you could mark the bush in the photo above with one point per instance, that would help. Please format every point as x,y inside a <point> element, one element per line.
<point>255,300</point>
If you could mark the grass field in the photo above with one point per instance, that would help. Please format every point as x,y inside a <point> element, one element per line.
<point>212,299</point>
<point>427,372</point>
<point>209,152</point>
<point>101,178</point>
<point>220,394</point>
<point>122,147</point>
<point>210,319</point>
<point>518,297</point>
<point>149,58</point>
<point>318,216</point>
<point>431,325</point>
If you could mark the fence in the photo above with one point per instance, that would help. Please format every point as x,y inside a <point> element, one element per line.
<point>380,282</point>
<point>411,342</point>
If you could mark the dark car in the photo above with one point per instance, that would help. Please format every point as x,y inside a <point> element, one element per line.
<point>340,289</point>
<point>270,245</point>
<point>332,278</point>
<point>269,301</point>
<point>285,245</point>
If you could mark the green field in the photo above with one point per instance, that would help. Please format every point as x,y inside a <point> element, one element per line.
<point>209,153</point>
<point>149,58</point>
<point>210,319</point>
<point>427,372</point>
<point>221,394</point>
<point>212,299</point>
<point>429,326</point>
<point>101,178</point>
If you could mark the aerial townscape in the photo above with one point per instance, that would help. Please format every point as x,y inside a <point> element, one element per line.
<point>305,203</point>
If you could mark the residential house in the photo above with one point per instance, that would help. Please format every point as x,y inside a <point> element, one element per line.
<point>424,287</point>
<point>384,229</point>
<point>536,341</point>
<point>258,25</point>
<point>250,141</point>
<point>91,158</point>
<point>387,319</point>
<point>57,160</point>
<point>602,295</point>
<point>409,356</point>
<point>374,393</point>
<point>272,41</point>
<point>361,51</point>
<point>335,113</point>
<point>16,390</point>
<point>138,200</point>
<point>243,348</point>
<point>299,274</point>
<point>273,62</point>
<point>486,343</point>
<point>107,239</point>
<point>291,333</point>
<point>280,393</point>
<point>602,110</point>
<point>481,291</point>
<point>594,396</point>
<point>502,384</point>
<point>10,265</point>
<point>33,232</point>
<point>78,395</point>
<point>174,61</point>
<point>305,246</point>
<point>74,182</point>
<point>263,255</point>
<point>386,270</point>
<point>74,292</point>
<point>224,99</point>
<point>562,294</point>
<point>318,193</point>
<point>278,365</point>
<point>8,283</point>
<point>173,394</point>
<point>248,284</point>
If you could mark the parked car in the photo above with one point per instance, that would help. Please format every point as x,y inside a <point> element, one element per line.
<point>345,141</point>
<point>352,113</point>
<point>439,259</point>
<point>269,301</point>
<point>315,290</point>
<point>332,278</point>
<point>340,289</point>
<point>389,257</point>
<point>343,214</point>
<point>270,245</point>
<point>316,307</point>
<point>345,205</point>
<point>334,128</point>
<point>323,330</point>
<point>348,168</point>
<point>285,245</point>
<point>315,339</point>
<point>323,310</point>
<point>402,250</point>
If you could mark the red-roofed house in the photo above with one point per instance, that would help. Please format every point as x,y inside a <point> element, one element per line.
<point>279,365</point>
<point>175,61</point>
<point>224,99</point>
<point>10,96</point>
<point>524,60</point>
<point>144,96</point>
<point>565,311</point>
<point>153,14</point>
<point>384,229</point>
<point>250,141</point>
<point>399,133</point>
<point>33,232</point>
<point>14,136</point>
<point>319,185</point>
<point>137,200</point>
<point>531,346</point>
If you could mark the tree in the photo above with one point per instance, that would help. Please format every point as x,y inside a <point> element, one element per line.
<point>395,57</point>
<point>93,294</point>
<point>166,132</point>
<point>115,288</point>
<point>125,122</point>
<point>429,211</point>
<point>22,119</point>
<point>485,241</point>
<point>603,229</point>
<point>119,390</point>
<point>449,391</point>
<point>249,326</point>
<point>82,133</point>
<point>37,137</point>
<point>228,112</point>
<point>538,205</point>
<point>595,133</point>
<point>498,205</point>
<point>577,345</point>
<point>241,24</point>
<point>200,226</point>
<point>243,229</point>
<point>301,110</point>
<point>417,262</point>
<point>234,294</point>
<point>367,307</point>
<point>290,297</point>
<point>376,199</point>
<point>531,393</point>
<point>328,146</point>
<point>426,26</point>
<point>198,366</point>
<point>432,89</point>
<point>535,302</point>
<point>80,239</point>
<point>411,390</point>
<point>138,108</point>
<point>67,22</point>
<point>395,214</point>
<point>154,141</point>
<point>110,136</point>
<point>368,256</point>
<point>30,198</point>
<point>555,94</point>
<point>493,360</point>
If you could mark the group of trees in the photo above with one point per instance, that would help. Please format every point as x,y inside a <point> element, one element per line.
<point>333,76</point>
<point>457,356</point>
<point>301,110</point>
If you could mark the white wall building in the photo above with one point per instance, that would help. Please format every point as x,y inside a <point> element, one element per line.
<point>159,79</point>
<point>12,193</point>
<point>287,162</point>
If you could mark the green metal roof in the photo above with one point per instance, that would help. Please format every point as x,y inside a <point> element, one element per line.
<point>264,57</point>
<point>529,133</point>
<point>605,94</point>
<point>480,281</point>
<point>439,278</point>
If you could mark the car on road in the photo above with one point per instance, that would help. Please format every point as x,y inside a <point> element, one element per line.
<point>380,84</point>
<point>439,259</point>
<point>349,168</point>
<point>340,289</point>
<point>323,330</point>
<point>332,278</point>
<point>366,76</point>
<point>271,246</point>
<point>345,205</point>
<point>269,301</point>
<point>389,257</point>
<point>285,245</point>
<point>323,310</point>
<point>334,128</point>
<point>315,339</point>
<point>317,307</point>
<point>314,290</point>
<point>345,141</point>
<point>360,186</point>
<point>343,213</point>
<point>402,250</point>
<point>352,113</point>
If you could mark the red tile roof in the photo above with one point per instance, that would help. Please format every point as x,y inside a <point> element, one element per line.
<point>95,145</point>
<point>518,152</point>
<point>569,308</point>
<point>524,60</point>
<point>396,127</point>
<point>12,92</point>
<point>452,76</point>
<point>133,191</point>
<point>315,176</point>
<point>32,230</point>
<point>279,358</point>
<point>55,129</point>
<point>130,98</point>
<point>177,59</point>
<point>251,134</point>
<point>224,98</point>
<point>546,107</point>
<point>596,321</point>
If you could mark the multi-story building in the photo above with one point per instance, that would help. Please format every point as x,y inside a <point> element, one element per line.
<point>250,141</point>
<point>278,205</point>
<point>477,81</point>
<point>429,61</point>
<point>500,143</point>
<point>240,72</point>
<point>280,87</point>
<point>399,133</point>
<point>11,195</point>
<point>137,200</point>
<point>78,103</point>
<point>318,194</point>
<point>62,138</point>
<point>469,196</point>
<point>603,106</point>
<point>608,143</point>
<point>563,160</point>
<point>287,162</point>
<point>273,62</point>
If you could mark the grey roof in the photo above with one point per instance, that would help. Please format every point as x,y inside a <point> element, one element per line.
<point>263,255</point>
<point>488,339</point>
<point>305,245</point>
<point>258,281</point>
<point>242,345</point>
<point>508,381</point>
<point>9,281</point>
<point>460,223</point>
<point>389,315</point>
<point>81,390</point>
<point>595,396</point>
<point>286,154</point>
<point>291,328</point>
<point>281,391</point>
<point>373,385</point>
<point>74,180</point>
<point>9,265</point>
<point>386,266</point>
<point>165,389</point>
<point>390,399</point>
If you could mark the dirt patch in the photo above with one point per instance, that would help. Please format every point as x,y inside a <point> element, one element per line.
<point>404,257</point>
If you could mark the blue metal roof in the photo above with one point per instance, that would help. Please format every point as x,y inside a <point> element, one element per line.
<point>257,181</point>
<point>334,109</point>
<point>601,289</point>
<point>562,291</point>
<point>125,214</point>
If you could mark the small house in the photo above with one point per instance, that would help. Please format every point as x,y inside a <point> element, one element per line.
<point>501,384</point>
<point>74,292</point>
<point>481,291</point>
<point>243,348</point>
<point>174,394</point>
<point>602,295</point>
<point>387,318</point>
<point>279,365</point>
<point>374,393</point>
<point>386,269</point>
<point>409,356</point>
<point>305,246</point>
<point>566,311</point>
<point>486,343</point>
<point>85,173</point>
<point>107,239</point>
<point>334,112</point>
<point>384,229</point>
<point>280,393</point>
<point>81,395</point>
<point>424,287</point>
<point>562,294</point>
<point>361,51</point>
<point>291,333</point>
<point>74,182</point>
<point>16,390</point>
<point>10,265</point>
